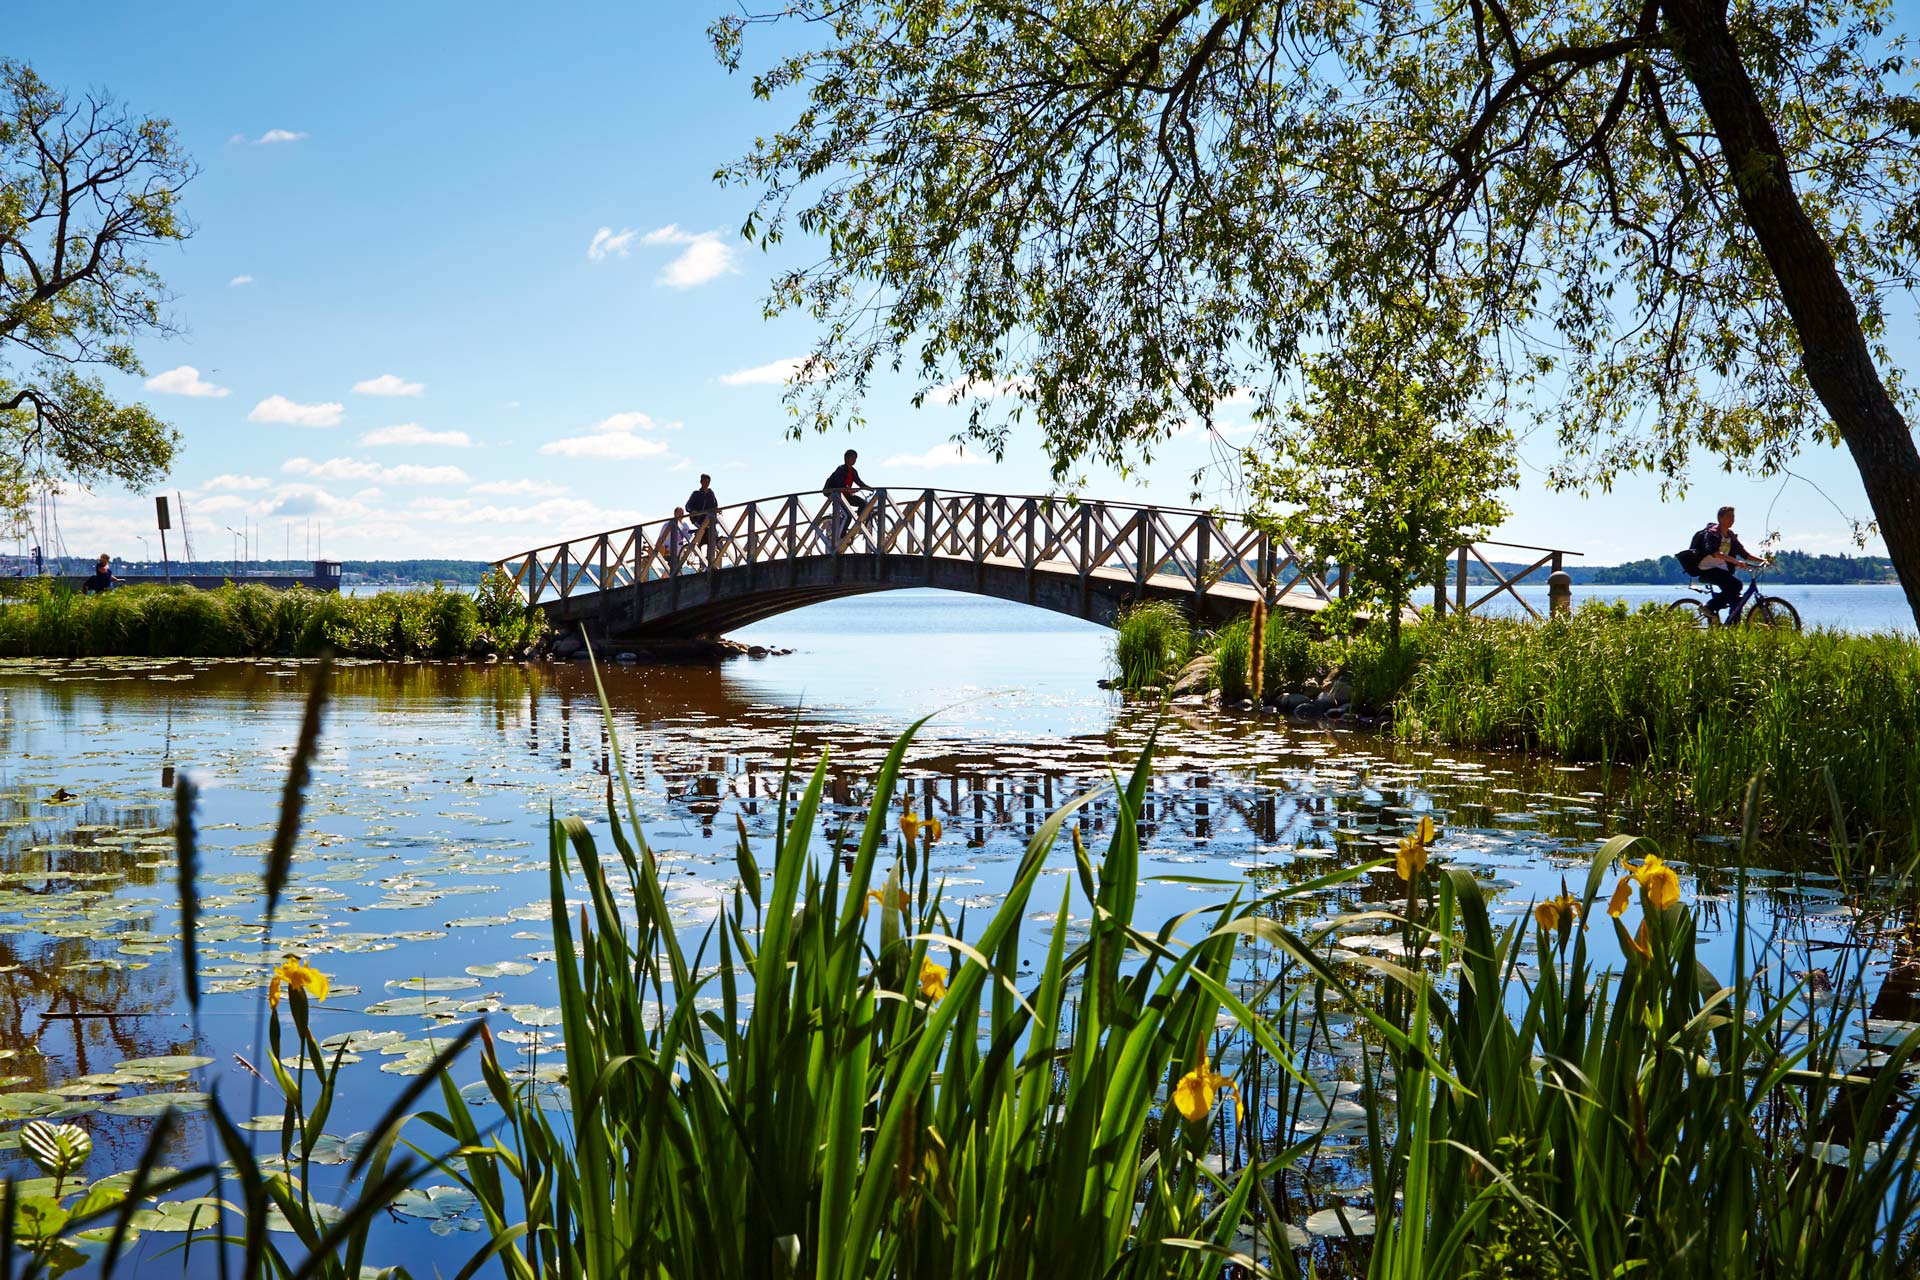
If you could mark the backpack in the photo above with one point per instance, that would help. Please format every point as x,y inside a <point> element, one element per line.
<point>1693,553</point>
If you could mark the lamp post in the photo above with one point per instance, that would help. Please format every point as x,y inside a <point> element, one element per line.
<point>236,549</point>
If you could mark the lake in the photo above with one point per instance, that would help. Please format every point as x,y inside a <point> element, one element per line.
<point>1859,608</point>
<point>420,886</point>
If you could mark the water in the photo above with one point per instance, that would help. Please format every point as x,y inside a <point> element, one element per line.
<point>423,871</point>
<point>1858,608</point>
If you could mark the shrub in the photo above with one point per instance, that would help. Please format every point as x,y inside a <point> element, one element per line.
<point>453,623</point>
<point>1289,657</point>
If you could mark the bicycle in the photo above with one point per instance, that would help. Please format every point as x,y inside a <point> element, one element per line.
<point>1751,608</point>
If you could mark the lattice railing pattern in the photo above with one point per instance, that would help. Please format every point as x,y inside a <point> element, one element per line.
<point>1206,553</point>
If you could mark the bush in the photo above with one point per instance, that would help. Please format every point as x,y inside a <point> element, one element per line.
<point>453,623</point>
<point>1152,642</point>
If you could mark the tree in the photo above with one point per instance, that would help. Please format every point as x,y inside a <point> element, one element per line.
<point>85,190</point>
<point>1683,221</point>
<point>1388,462</point>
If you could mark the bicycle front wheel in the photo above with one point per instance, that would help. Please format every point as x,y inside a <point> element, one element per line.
<point>1695,612</point>
<point>1772,611</point>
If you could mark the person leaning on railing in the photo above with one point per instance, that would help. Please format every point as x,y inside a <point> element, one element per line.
<point>703,504</point>
<point>102,578</point>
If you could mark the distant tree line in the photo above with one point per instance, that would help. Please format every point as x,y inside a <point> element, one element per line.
<point>1788,567</point>
<point>465,573</point>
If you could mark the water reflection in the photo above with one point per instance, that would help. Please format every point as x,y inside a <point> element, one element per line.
<point>425,858</point>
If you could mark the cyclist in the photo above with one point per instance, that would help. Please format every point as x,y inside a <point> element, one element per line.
<point>1715,550</point>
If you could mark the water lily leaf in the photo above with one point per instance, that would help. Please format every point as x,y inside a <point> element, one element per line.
<point>500,969</point>
<point>430,1203</point>
<point>1327,1222</point>
<point>534,1015</point>
<point>152,1104</point>
<point>202,1213</point>
<point>433,984</point>
<point>413,1007</point>
<point>169,1064</point>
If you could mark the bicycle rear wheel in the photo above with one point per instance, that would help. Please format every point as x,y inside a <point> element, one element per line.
<point>1695,612</point>
<point>1772,611</point>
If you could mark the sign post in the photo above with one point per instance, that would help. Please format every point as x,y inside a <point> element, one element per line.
<point>166,523</point>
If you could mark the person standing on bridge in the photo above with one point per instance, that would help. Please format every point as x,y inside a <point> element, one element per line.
<point>704,506</point>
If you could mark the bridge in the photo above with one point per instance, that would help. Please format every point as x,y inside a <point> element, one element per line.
<point>1085,558</point>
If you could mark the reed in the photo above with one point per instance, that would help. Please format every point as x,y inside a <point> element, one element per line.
<point>1700,712</point>
<point>249,620</point>
<point>1152,641</point>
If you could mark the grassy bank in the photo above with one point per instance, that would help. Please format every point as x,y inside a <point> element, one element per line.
<point>827,1083</point>
<point>249,620</point>
<point>1695,713</point>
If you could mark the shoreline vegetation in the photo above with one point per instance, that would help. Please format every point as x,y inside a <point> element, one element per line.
<point>829,1083</point>
<point>1829,722</point>
<point>241,620</point>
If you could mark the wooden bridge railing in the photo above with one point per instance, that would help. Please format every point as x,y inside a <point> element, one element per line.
<point>1167,548</point>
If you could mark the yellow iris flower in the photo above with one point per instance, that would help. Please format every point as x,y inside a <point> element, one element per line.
<point>1193,1095</point>
<point>1557,913</point>
<point>933,980</point>
<point>910,826</point>
<point>1410,859</point>
<point>874,896</point>
<point>1659,888</point>
<point>1617,904</point>
<point>293,973</point>
<point>932,827</point>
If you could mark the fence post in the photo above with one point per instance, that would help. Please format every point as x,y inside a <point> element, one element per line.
<point>878,534</point>
<point>1559,590</point>
<point>1028,558</point>
<point>926,536</point>
<point>1440,592</point>
<point>1203,546</point>
<point>1460,586</point>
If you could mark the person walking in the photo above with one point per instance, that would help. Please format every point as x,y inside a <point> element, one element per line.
<point>102,578</point>
<point>703,505</point>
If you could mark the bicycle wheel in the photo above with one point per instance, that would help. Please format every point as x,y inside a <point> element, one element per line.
<point>1695,612</point>
<point>1772,611</point>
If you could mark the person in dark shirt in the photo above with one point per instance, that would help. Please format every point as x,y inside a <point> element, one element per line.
<point>702,506</point>
<point>1719,550</point>
<point>102,578</point>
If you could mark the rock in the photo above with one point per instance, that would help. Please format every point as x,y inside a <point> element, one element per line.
<point>1323,701</point>
<point>492,657</point>
<point>1245,704</point>
<point>1291,701</point>
<point>1150,691</point>
<point>1342,690</point>
<point>1195,676</point>
<point>624,656</point>
<point>757,651</point>
<point>1105,683</point>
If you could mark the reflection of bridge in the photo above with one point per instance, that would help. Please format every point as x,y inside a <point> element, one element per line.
<point>1084,558</point>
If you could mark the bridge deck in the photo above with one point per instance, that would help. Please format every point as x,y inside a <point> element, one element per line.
<point>1086,558</point>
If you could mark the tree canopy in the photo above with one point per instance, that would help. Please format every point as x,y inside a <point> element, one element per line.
<point>86,189</point>
<point>1674,226</point>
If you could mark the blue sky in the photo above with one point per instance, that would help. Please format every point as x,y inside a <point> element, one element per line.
<point>462,283</point>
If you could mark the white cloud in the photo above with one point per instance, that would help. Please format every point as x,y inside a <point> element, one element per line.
<point>270,137</point>
<point>978,389</point>
<point>414,433</point>
<point>774,374</point>
<point>612,446</point>
<point>389,384</point>
<point>236,484</point>
<point>703,257</point>
<point>633,421</point>
<point>608,242</point>
<point>281,409</point>
<point>941,455</point>
<point>365,469</point>
<point>183,381</point>
<point>237,281</point>
<point>518,488</point>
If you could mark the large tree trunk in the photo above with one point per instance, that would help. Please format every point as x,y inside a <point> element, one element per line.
<point>1834,351</point>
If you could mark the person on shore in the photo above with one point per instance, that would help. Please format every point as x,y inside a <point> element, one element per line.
<point>703,505</point>
<point>1717,549</point>
<point>675,536</point>
<point>102,578</point>
<point>843,489</point>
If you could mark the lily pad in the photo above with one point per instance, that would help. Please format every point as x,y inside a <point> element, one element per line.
<point>432,1203</point>
<point>152,1104</point>
<point>500,969</point>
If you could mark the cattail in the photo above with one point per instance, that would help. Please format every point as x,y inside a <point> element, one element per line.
<point>1257,646</point>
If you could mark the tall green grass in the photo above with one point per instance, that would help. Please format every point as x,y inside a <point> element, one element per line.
<point>1701,711</point>
<point>1153,640</point>
<point>249,620</point>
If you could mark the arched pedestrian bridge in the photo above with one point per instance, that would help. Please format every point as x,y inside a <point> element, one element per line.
<point>1085,558</point>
